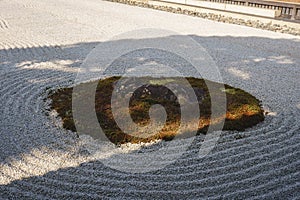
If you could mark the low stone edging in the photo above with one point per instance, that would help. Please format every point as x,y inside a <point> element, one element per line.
<point>215,17</point>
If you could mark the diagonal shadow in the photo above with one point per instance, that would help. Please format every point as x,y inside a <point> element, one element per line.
<point>20,113</point>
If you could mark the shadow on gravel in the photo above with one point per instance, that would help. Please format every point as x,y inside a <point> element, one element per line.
<point>26,76</point>
<point>239,68</point>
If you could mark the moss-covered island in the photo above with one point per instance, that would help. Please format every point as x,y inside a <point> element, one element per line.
<point>243,110</point>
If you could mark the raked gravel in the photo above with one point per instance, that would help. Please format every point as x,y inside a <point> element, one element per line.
<point>42,45</point>
<point>215,17</point>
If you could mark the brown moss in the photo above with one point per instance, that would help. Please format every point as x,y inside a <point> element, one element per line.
<point>243,110</point>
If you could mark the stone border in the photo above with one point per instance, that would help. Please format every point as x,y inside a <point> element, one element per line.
<point>228,7</point>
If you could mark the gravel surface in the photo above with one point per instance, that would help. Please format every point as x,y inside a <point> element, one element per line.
<point>42,45</point>
<point>216,17</point>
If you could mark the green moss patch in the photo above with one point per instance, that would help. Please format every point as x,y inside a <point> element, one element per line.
<point>243,110</point>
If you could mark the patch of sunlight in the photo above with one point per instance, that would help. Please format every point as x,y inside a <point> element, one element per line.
<point>40,161</point>
<point>239,73</point>
<point>269,112</point>
<point>281,60</point>
<point>258,59</point>
<point>35,163</point>
<point>61,65</point>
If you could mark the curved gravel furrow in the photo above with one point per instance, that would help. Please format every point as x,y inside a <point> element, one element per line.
<point>54,193</point>
<point>72,191</point>
<point>282,181</point>
<point>41,160</point>
<point>30,5</point>
<point>23,86</point>
<point>56,183</point>
<point>4,45</point>
<point>286,190</point>
<point>34,93</point>
<point>181,184</point>
<point>188,170</point>
<point>15,92</point>
<point>169,180</point>
<point>7,44</point>
<point>233,164</point>
<point>29,46</point>
<point>20,76</point>
<point>3,24</point>
<point>64,185</point>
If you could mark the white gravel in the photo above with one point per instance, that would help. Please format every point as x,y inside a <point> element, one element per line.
<point>43,43</point>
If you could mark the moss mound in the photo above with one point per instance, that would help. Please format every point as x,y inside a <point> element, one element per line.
<point>243,110</point>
